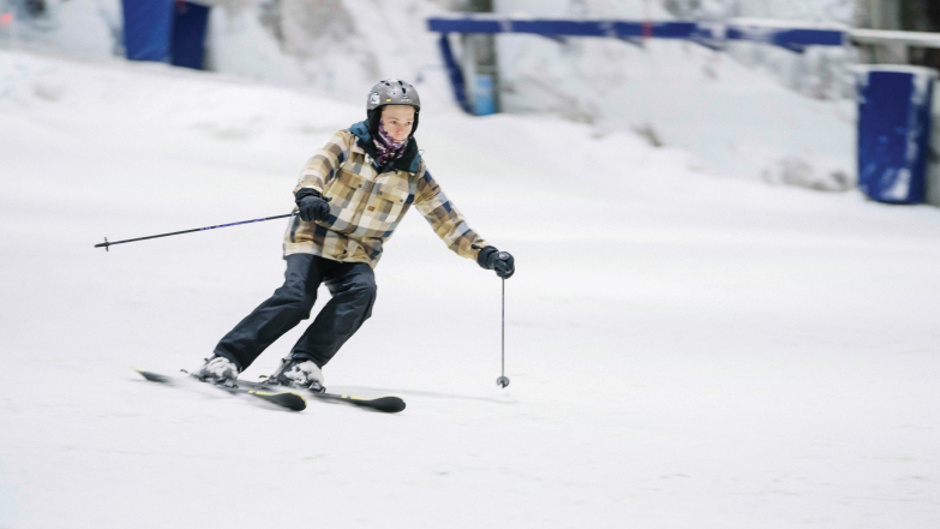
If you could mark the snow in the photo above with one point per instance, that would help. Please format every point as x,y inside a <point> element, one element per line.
<point>686,349</point>
<point>686,96</point>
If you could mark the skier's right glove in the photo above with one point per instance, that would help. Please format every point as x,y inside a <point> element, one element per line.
<point>311,205</point>
<point>493,259</point>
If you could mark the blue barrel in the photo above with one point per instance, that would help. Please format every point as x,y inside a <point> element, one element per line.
<point>894,132</point>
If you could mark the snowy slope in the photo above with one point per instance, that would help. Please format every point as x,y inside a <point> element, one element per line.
<point>737,120</point>
<point>685,350</point>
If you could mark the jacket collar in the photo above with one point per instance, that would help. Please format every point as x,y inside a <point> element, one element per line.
<point>409,161</point>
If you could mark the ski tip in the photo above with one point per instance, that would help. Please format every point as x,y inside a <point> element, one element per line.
<point>289,400</point>
<point>294,402</point>
<point>153,377</point>
<point>383,404</point>
<point>389,404</point>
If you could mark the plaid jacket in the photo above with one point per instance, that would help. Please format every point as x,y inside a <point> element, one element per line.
<point>366,205</point>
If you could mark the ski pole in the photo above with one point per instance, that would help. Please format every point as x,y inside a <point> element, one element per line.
<point>503,380</point>
<point>107,243</point>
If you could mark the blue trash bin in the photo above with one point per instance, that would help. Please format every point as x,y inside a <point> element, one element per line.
<point>894,132</point>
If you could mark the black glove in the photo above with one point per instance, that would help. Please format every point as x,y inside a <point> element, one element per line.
<point>493,259</point>
<point>311,204</point>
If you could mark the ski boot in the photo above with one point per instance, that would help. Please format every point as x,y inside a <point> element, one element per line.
<point>218,370</point>
<point>298,373</point>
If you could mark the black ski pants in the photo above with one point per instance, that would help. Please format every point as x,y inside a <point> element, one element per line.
<point>352,286</point>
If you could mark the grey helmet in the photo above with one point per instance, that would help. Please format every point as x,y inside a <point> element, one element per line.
<point>391,92</point>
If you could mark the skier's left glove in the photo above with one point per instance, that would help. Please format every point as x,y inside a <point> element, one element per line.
<point>312,206</point>
<point>493,259</point>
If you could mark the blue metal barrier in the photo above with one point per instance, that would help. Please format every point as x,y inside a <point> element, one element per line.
<point>794,39</point>
<point>148,27</point>
<point>165,31</point>
<point>187,47</point>
<point>894,117</point>
<point>711,35</point>
<point>457,81</point>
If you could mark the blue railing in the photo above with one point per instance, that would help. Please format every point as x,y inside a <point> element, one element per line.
<point>791,38</point>
<point>710,34</point>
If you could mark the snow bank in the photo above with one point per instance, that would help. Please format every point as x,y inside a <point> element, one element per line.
<point>735,120</point>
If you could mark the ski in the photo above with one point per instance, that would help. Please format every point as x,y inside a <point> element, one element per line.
<point>285,399</point>
<point>382,404</point>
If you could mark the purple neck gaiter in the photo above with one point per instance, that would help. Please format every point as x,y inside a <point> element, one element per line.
<point>387,148</point>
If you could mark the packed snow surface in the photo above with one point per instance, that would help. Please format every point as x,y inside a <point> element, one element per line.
<point>686,350</point>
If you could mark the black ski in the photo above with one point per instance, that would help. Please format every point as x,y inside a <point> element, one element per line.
<point>285,399</point>
<point>382,404</point>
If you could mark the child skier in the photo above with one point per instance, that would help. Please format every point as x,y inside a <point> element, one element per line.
<point>351,196</point>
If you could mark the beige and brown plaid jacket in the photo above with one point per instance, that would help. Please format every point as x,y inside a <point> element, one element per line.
<point>366,206</point>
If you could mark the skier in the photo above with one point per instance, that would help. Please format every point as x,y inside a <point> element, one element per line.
<point>350,198</point>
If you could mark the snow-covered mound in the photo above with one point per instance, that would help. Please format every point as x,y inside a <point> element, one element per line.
<point>737,121</point>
